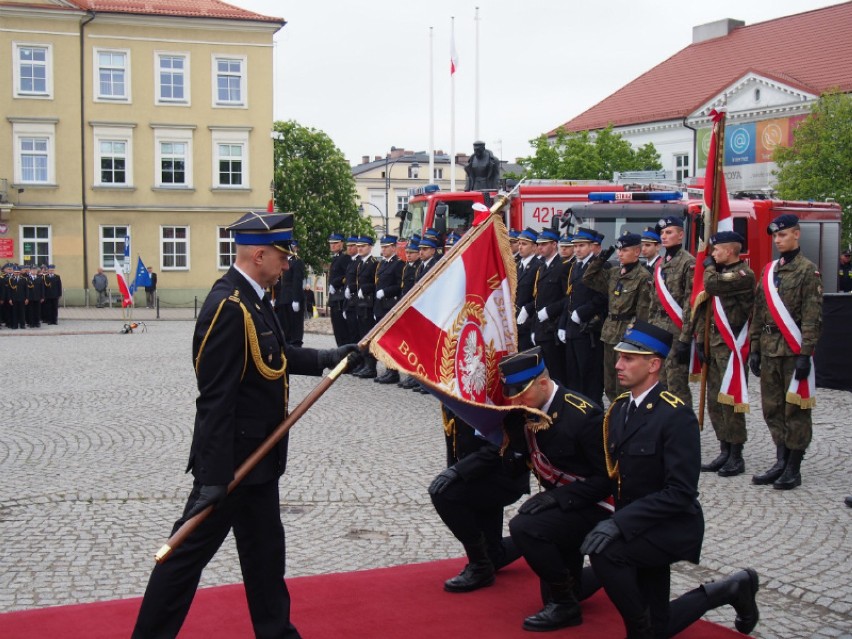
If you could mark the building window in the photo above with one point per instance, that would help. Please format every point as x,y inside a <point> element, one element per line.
<point>112,245</point>
<point>34,145</point>
<point>174,246</point>
<point>230,161</point>
<point>229,86</point>
<point>413,171</point>
<point>113,156</point>
<point>173,162</point>
<point>35,244</point>
<point>112,71</point>
<point>230,157</point>
<point>681,167</point>
<point>401,202</point>
<point>438,174</point>
<point>226,249</point>
<point>172,73</point>
<point>33,77</point>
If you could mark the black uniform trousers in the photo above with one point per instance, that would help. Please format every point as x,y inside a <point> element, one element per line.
<point>475,507</point>
<point>293,323</point>
<point>339,324</point>
<point>637,577</point>
<point>18,315</point>
<point>553,352</point>
<point>550,541</point>
<point>34,313</point>
<point>584,366</point>
<point>50,310</point>
<point>253,513</point>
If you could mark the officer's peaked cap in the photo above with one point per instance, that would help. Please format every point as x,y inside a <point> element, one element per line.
<point>643,338</point>
<point>518,371</point>
<point>264,229</point>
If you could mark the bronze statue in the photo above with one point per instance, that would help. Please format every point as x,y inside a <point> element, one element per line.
<point>483,169</point>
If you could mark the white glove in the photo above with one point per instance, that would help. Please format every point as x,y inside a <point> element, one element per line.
<point>522,316</point>
<point>532,338</point>
<point>380,294</point>
<point>295,307</point>
<point>344,314</point>
<point>575,317</point>
<point>360,294</point>
<point>347,293</point>
<point>561,334</point>
<point>331,290</point>
<point>542,315</point>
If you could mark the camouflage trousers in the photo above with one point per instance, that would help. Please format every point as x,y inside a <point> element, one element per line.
<point>730,427</point>
<point>788,424</point>
<point>612,388</point>
<point>675,377</point>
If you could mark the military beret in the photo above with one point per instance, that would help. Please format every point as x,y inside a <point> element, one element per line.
<point>529,234</point>
<point>547,235</point>
<point>785,221</point>
<point>518,371</point>
<point>627,240</point>
<point>335,237</point>
<point>388,240</point>
<point>723,237</point>
<point>643,338</point>
<point>264,229</point>
<point>651,235</point>
<point>671,220</point>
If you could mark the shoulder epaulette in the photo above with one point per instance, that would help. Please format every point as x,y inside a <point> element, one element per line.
<point>673,400</point>
<point>578,402</point>
<point>235,296</point>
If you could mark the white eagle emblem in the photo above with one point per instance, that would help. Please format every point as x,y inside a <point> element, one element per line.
<point>472,366</point>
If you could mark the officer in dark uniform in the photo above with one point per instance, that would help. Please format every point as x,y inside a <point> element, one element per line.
<point>566,249</point>
<point>388,289</point>
<point>653,455</point>
<point>844,272</point>
<point>428,248</point>
<point>551,284</point>
<point>336,283</point>
<point>581,322</point>
<point>241,363</point>
<point>524,301</point>
<point>567,458</point>
<point>409,277</point>
<point>289,304</point>
<point>651,241</point>
<point>513,244</point>
<point>350,290</point>
<point>35,297</point>
<point>364,300</point>
<point>470,495</point>
<point>16,299</point>
<point>52,293</point>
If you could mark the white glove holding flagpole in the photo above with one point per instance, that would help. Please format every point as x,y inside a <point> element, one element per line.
<point>295,306</point>
<point>522,316</point>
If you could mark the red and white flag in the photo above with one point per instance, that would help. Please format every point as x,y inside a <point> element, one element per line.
<point>456,324</point>
<point>126,298</point>
<point>454,56</point>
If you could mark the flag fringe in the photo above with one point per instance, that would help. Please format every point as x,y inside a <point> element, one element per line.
<point>728,400</point>
<point>798,400</point>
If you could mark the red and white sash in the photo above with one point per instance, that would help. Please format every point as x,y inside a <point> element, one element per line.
<point>548,472</point>
<point>734,389</point>
<point>801,391</point>
<point>669,303</point>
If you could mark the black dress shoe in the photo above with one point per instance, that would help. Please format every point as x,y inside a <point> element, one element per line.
<point>473,577</point>
<point>391,377</point>
<point>848,501</point>
<point>554,616</point>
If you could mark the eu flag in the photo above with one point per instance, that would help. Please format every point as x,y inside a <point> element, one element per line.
<point>142,277</point>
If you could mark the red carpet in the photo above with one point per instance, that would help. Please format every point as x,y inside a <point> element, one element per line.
<point>404,602</point>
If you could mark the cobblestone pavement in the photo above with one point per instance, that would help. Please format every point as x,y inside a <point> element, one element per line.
<point>95,431</point>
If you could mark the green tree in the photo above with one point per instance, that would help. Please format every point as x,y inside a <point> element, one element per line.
<point>819,163</point>
<point>587,156</point>
<point>314,182</point>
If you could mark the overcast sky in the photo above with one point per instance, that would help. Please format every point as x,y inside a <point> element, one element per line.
<point>359,71</point>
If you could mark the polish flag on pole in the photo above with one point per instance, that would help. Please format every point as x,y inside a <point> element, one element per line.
<point>450,331</point>
<point>454,56</point>
<point>126,298</point>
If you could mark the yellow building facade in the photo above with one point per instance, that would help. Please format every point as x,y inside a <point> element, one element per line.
<point>141,126</point>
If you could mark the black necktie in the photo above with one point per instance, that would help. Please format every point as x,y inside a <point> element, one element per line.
<point>631,408</point>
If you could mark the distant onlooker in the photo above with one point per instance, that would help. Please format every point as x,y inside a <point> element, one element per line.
<point>310,302</point>
<point>844,272</point>
<point>100,282</point>
<point>150,291</point>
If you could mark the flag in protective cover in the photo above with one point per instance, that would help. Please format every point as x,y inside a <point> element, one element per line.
<point>456,324</point>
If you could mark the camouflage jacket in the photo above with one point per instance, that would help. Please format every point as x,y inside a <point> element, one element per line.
<point>629,295</point>
<point>800,288</point>
<point>733,284</point>
<point>677,272</point>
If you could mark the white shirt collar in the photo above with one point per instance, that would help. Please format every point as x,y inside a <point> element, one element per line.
<point>526,261</point>
<point>547,404</point>
<point>257,287</point>
<point>641,398</point>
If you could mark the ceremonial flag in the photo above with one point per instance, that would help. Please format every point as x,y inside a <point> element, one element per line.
<point>141,278</point>
<point>456,324</point>
<point>454,56</point>
<point>126,298</point>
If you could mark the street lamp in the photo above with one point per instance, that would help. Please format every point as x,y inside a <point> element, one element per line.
<point>388,169</point>
<point>381,214</point>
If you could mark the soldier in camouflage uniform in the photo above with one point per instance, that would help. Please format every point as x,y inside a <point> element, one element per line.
<point>629,299</point>
<point>676,270</point>
<point>800,290</point>
<point>730,279</point>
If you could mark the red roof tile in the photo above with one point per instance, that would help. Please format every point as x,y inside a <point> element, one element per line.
<point>811,51</point>
<point>181,8</point>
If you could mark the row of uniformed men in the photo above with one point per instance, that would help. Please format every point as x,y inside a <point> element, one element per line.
<point>29,295</point>
<point>575,306</point>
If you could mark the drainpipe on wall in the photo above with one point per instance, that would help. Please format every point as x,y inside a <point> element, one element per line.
<point>694,167</point>
<point>83,201</point>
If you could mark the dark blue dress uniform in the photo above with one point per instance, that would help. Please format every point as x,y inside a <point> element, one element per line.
<point>52,293</point>
<point>15,298</point>
<point>364,297</point>
<point>291,287</point>
<point>350,307</point>
<point>844,275</point>
<point>389,281</point>
<point>242,364</point>
<point>524,293</point>
<point>337,282</point>
<point>551,284</point>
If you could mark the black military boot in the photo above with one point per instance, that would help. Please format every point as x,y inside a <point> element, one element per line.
<point>735,464</point>
<point>381,377</point>
<point>561,611</point>
<point>640,627</point>
<point>739,590</point>
<point>792,476</point>
<point>504,553</point>
<point>781,453</point>
<point>390,377</point>
<point>716,464</point>
<point>369,369</point>
<point>478,573</point>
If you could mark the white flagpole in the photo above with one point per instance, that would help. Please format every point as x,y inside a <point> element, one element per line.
<point>452,105</point>
<point>476,80</point>
<point>431,111</point>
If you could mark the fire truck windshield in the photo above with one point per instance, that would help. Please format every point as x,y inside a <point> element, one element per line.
<point>413,221</point>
